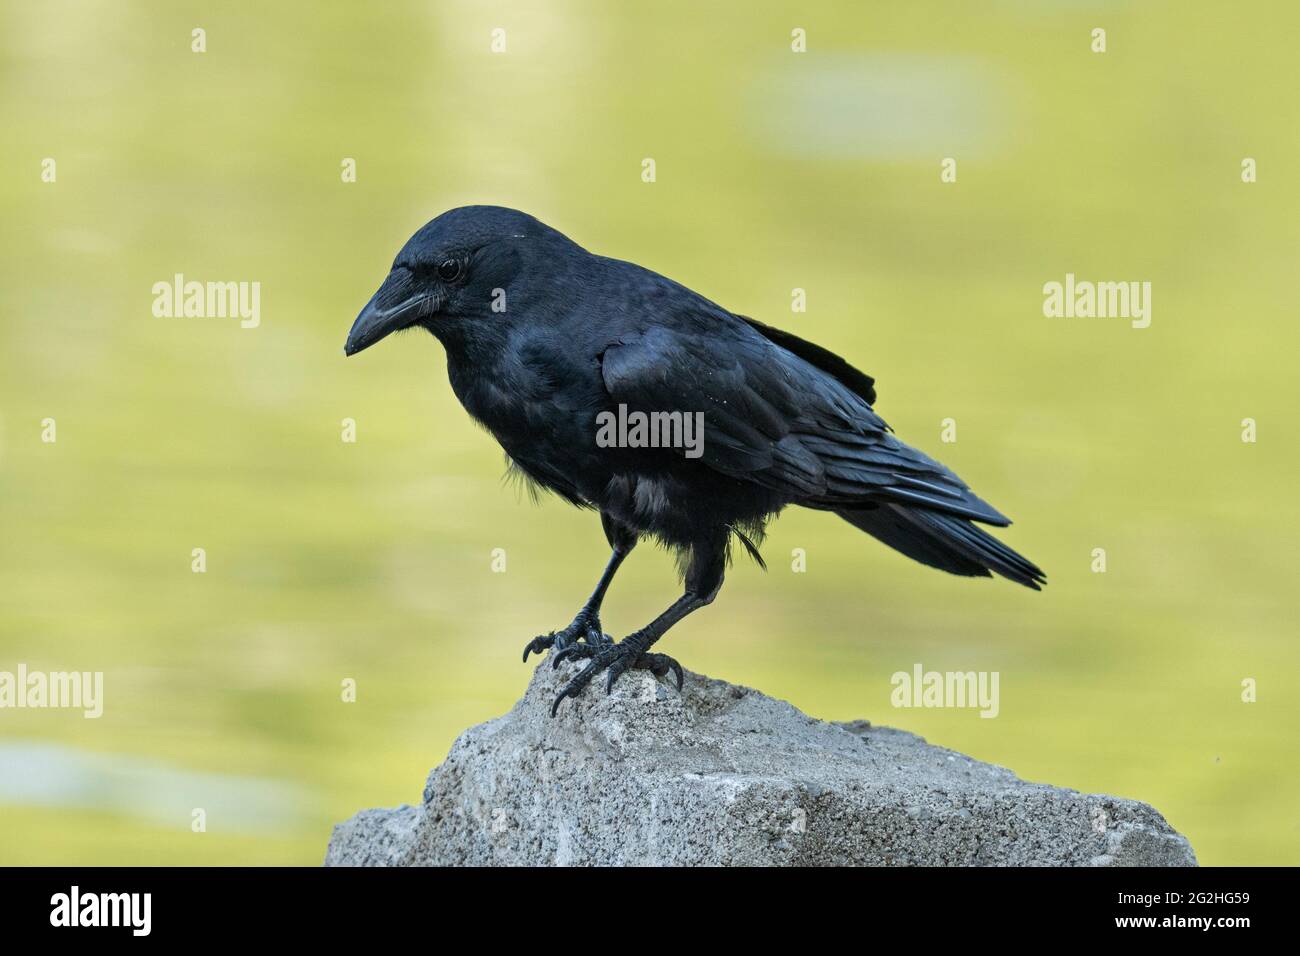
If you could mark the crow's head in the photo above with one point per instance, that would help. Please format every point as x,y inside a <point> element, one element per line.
<point>456,269</point>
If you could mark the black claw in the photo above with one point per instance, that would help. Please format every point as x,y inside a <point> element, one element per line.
<point>677,670</point>
<point>615,671</point>
<point>538,644</point>
<point>556,706</point>
<point>661,665</point>
<point>616,660</point>
<point>583,677</point>
<point>585,626</point>
<point>573,650</point>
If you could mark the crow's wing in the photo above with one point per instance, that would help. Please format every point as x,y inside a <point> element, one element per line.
<point>776,419</point>
<point>857,381</point>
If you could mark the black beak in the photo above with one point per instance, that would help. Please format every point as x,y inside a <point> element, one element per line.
<point>397,305</point>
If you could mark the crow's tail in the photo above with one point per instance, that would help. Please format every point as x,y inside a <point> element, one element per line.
<point>944,541</point>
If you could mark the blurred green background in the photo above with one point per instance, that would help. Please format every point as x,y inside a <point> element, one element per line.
<point>775,170</point>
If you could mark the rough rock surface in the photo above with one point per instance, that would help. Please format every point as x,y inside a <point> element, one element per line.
<point>721,774</point>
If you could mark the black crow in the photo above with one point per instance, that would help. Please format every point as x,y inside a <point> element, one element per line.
<point>548,345</point>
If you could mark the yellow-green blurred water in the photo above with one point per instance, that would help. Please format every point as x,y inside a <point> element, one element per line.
<point>775,170</point>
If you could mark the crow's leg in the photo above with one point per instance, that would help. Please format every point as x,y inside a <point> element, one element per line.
<point>587,623</point>
<point>703,579</point>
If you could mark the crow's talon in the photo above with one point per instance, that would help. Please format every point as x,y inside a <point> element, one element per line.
<point>574,652</point>
<point>661,665</point>
<point>617,659</point>
<point>614,671</point>
<point>585,626</point>
<point>601,658</point>
<point>538,644</point>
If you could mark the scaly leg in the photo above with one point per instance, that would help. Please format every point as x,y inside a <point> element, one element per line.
<point>586,625</point>
<point>703,579</point>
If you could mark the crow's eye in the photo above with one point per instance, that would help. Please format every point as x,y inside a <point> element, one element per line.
<point>449,270</point>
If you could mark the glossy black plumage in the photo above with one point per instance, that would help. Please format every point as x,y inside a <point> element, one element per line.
<point>542,336</point>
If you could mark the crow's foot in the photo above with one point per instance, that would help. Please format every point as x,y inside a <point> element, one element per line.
<point>614,659</point>
<point>585,626</point>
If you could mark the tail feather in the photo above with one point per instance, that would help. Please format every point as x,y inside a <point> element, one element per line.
<point>948,542</point>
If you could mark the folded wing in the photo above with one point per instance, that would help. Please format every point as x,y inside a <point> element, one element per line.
<point>784,414</point>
